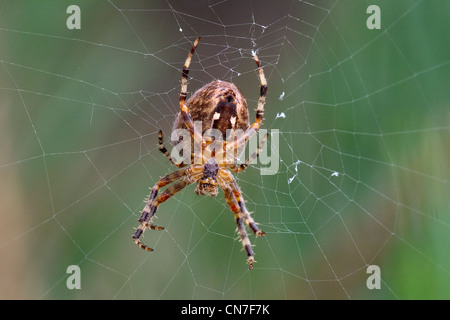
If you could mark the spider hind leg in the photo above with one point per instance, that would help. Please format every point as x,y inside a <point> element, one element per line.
<point>166,153</point>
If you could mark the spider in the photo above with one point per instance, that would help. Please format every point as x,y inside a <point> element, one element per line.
<point>219,105</point>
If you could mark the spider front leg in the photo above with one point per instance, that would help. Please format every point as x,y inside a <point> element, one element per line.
<point>248,219</point>
<point>236,203</point>
<point>234,206</point>
<point>153,201</point>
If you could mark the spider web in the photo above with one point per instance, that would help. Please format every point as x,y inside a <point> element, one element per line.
<point>363,153</point>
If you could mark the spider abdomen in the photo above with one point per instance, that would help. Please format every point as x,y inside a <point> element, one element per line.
<point>218,105</point>
<point>225,115</point>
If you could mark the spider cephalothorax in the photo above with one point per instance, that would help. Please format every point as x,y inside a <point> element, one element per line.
<point>207,185</point>
<point>220,106</point>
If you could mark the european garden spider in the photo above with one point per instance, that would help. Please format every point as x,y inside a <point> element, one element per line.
<point>221,106</point>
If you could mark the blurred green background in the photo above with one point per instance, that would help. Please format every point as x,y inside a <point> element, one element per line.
<point>364,149</point>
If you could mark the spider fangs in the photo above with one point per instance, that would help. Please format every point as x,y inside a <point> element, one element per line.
<point>207,185</point>
<point>219,106</point>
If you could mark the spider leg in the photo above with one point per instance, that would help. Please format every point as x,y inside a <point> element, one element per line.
<point>153,201</point>
<point>248,219</point>
<point>236,169</point>
<point>234,206</point>
<point>262,95</point>
<point>164,151</point>
<point>259,111</point>
<point>236,203</point>
<point>183,94</point>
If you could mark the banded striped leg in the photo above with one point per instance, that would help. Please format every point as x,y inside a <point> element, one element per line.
<point>234,206</point>
<point>236,169</point>
<point>234,199</point>
<point>164,151</point>
<point>259,111</point>
<point>248,219</point>
<point>183,94</point>
<point>153,202</point>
